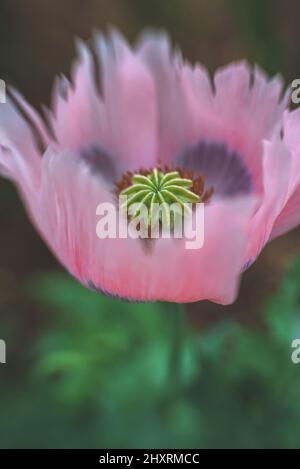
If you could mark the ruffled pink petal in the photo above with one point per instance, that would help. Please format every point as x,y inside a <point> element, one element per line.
<point>19,154</point>
<point>212,272</point>
<point>78,116</point>
<point>289,218</point>
<point>276,171</point>
<point>66,214</point>
<point>173,122</point>
<point>131,105</point>
<point>173,273</point>
<point>244,109</point>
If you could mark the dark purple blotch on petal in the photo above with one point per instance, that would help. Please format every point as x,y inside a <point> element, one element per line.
<point>223,169</point>
<point>100,162</point>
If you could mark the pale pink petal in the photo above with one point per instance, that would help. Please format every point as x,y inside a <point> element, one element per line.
<point>170,272</point>
<point>289,218</point>
<point>66,213</point>
<point>41,131</point>
<point>173,123</point>
<point>131,105</point>
<point>276,170</point>
<point>78,115</point>
<point>19,154</point>
<point>245,109</point>
<point>212,272</point>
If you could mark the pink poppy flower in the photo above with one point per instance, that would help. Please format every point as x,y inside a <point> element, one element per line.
<point>154,109</point>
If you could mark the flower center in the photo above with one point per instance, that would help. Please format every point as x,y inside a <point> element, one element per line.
<point>161,187</point>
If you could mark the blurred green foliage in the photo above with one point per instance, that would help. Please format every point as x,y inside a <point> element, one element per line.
<point>105,373</point>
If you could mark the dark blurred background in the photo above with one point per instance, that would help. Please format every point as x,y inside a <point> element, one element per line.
<point>86,371</point>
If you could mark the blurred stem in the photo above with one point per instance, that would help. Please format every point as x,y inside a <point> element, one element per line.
<point>177,313</point>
